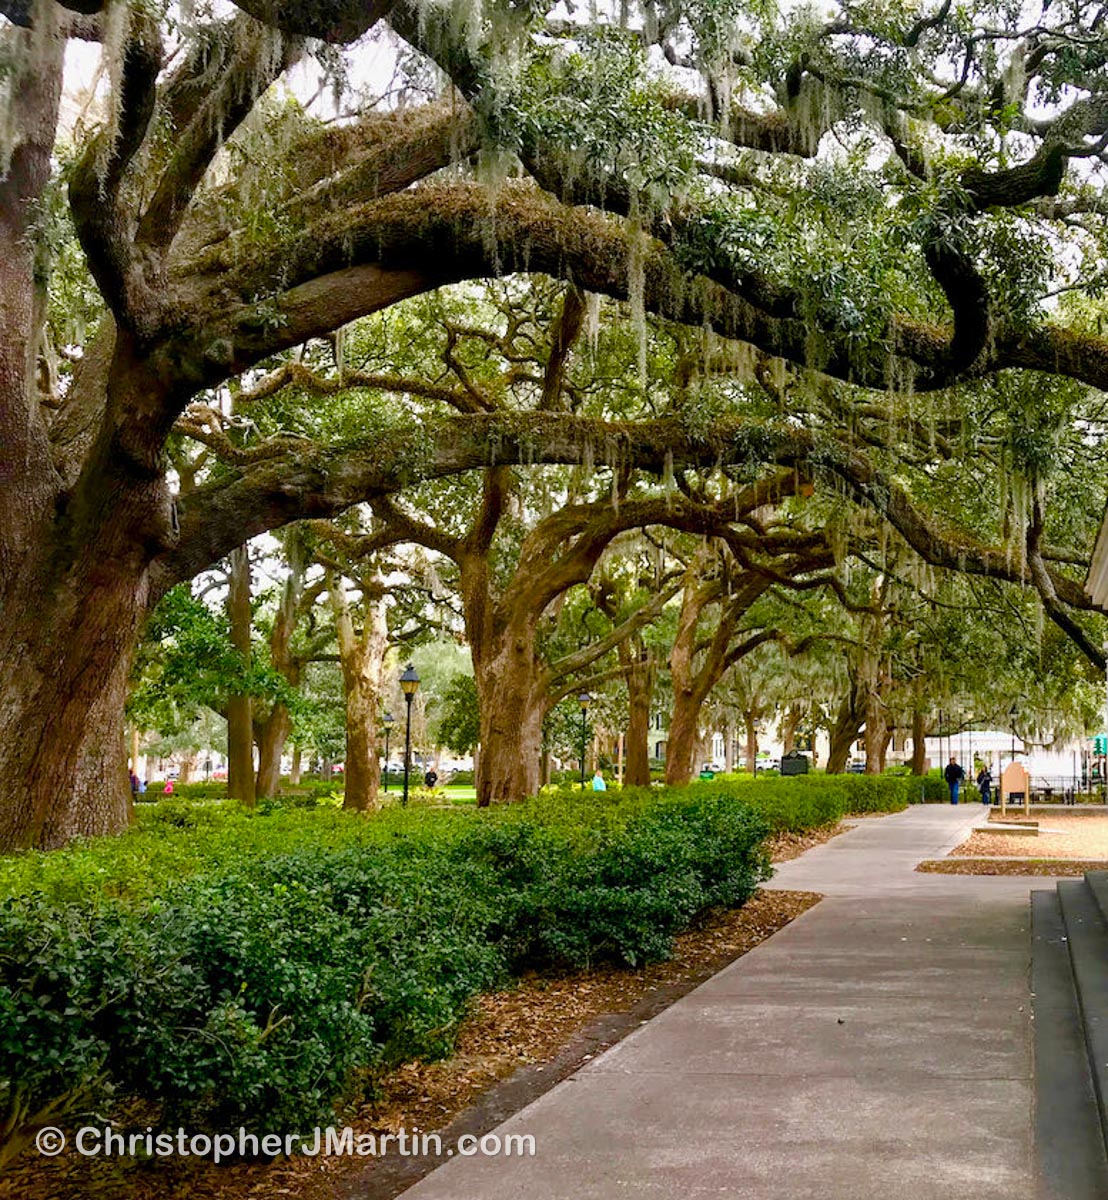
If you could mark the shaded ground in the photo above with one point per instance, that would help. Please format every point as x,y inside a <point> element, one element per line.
<point>526,1027</point>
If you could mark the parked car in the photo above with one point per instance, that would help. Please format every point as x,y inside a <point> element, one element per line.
<point>856,766</point>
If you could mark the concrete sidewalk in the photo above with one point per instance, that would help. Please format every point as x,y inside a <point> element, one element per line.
<point>877,1048</point>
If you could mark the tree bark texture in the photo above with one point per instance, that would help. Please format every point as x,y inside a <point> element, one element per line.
<point>240,708</point>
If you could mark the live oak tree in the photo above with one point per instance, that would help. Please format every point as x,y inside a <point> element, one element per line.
<point>708,193</point>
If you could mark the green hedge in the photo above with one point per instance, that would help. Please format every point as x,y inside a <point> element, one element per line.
<point>258,968</point>
<point>793,804</point>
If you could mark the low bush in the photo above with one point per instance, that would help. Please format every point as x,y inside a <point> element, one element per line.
<point>932,789</point>
<point>229,966</point>
<point>793,804</point>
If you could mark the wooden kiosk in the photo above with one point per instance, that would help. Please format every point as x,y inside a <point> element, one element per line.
<point>1015,785</point>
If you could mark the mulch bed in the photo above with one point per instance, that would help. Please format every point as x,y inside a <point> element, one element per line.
<point>784,846</point>
<point>515,1045</point>
<point>1008,866</point>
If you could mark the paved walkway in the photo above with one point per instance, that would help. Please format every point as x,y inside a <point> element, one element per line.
<point>878,1048</point>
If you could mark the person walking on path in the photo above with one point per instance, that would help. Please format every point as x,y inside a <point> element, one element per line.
<point>953,776</point>
<point>985,784</point>
<point>598,784</point>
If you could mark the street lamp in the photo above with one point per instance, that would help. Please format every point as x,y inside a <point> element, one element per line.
<point>388,721</point>
<point>409,685</point>
<point>583,699</point>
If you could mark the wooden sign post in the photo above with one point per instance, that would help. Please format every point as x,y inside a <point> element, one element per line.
<point>1015,779</point>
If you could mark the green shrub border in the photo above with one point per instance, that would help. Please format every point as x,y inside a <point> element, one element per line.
<point>260,968</point>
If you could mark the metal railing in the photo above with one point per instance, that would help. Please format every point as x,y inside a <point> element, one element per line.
<point>1082,788</point>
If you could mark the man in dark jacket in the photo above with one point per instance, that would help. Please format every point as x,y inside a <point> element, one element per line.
<point>953,776</point>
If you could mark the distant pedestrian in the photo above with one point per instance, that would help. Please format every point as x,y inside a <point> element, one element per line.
<point>431,778</point>
<point>598,784</point>
<point>142,787</point>
<point>134,783</point>
<point>168,790</point>
<point>985,784</point>
<point>953,776</point>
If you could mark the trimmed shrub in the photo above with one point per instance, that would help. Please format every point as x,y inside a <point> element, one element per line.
<point>260,967</point>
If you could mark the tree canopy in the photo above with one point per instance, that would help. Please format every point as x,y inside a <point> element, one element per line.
<point>713,254</point>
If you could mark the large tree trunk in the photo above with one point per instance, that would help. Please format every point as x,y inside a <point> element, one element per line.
<point>844,732</point>
<point>272,736</point>
<point>240,723</point>
<point>640,688</point>
<point>683,738</point>
<point>876,736</point>
<point>919,743</point>
<point>513,695</point>
<point>750,724</point>
<point>74,587</point>
<point>63,682</point>
<point>511,739</point>
<point>362,657</point>
<point>789,725</point>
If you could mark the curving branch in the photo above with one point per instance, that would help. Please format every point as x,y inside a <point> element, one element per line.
<point>97,190</point>
<point>338,21</point>
<point>312,483</point>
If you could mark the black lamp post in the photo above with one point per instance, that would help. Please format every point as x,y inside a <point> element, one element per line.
<point>583,699</point>
<point>388,721</point>
<point>409,685</point>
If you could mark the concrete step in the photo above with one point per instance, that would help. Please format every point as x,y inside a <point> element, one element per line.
<point>1087,938</point>
<point>1069,1139</point>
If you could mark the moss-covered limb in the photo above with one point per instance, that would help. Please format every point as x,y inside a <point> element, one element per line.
<point>248,58</point>
<point>567,328</point>
<point>28,480</point>
<point>579,660</point>
<point>336,21</point>
<point>1047,587</point>
<point>296,374</point>
<point>495,487</point>
<point>400,526</point>
<point>314,483</point>
<point>99,189</point>
<point>368,258</point>
<point>391,152</point>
